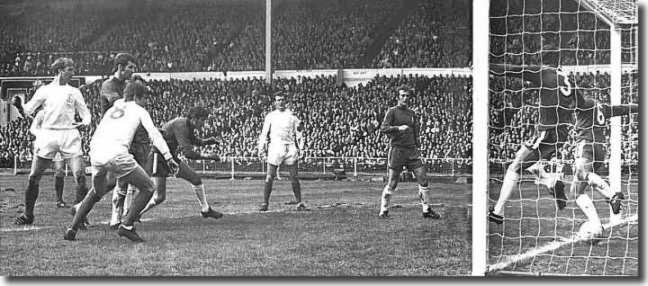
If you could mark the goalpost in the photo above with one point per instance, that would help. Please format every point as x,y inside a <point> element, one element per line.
<point>598,42</point>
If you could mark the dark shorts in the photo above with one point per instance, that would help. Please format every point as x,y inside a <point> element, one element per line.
<point>401,156</point>
<point>594,153</point>
<point>159,168</point>
<point>545,144</point>
<point>140,152</point>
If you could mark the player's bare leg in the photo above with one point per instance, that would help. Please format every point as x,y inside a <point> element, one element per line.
<point>39,165</point>
<point>101,181</point>
<point>59,182</point>
<point>424,192</point>
<point>578,187</point>
<point>140,180</point>
<point>271,174</point>
<point>187,173</point>
<point>78,170</point>
<point>390,188</point>
<point>512,176</point>
<point>296,187</point>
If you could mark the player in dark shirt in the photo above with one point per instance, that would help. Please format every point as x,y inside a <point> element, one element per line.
<point>179,136</point>
<point>591,144</point>
<point>558,98</point>
<point>112,89</point>
<point>402,126</point>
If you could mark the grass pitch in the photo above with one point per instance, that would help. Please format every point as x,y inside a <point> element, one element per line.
<point>533,221</point>
<point>340,235</point>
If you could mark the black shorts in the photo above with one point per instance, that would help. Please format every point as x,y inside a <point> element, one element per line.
<point>592,152</point>
<point>402,156</point>
<point>545,144</point>
<point>159,168</point>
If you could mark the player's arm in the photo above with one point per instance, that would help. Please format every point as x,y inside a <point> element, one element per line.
<point>530,73</point>
<point>299,134</point>
<point>28,108</point>
<point>387,127</point>
<point>417,127</point>
<point>82,108</point>
<point>624,109</point>
<point>185,139</point>
<point>263,138</point>
<point>197,141</point>
<point>36,124</point>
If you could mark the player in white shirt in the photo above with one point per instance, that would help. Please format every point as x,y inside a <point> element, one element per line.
<point>58,133</point>
<point>111,159</point>
<point>59,163</point>
<point>283,128</point>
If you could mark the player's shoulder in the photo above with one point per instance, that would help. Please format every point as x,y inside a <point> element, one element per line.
<point>111,84</point>
<point>177,123</point>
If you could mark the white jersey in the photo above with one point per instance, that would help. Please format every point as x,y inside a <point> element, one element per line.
<point>59,105</point>
<point>36,123</point>
<point>115,132</point>
<point>282,126</point>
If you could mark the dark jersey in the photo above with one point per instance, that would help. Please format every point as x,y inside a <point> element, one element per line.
<point>111,90</point>
<point>591,119</point>
<point>557,99</point>
<point>558,95</point>
<point>179,136</point>
<point>397,116</point>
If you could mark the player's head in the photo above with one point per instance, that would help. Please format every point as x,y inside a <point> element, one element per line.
<point>64,69</point>
<point>137,91</point>
<point>279,101</point>
<point>124,65</point>
<point>197,115</point>
<point>404,95</point>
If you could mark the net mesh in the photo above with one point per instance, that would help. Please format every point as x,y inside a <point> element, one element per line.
<point>536,237</point>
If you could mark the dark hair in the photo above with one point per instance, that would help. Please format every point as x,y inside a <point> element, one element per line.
<point>404,89</point>
<point>197,112</point>
<point>123,59</point>
<point>61,63</point>
<point>134,89</point>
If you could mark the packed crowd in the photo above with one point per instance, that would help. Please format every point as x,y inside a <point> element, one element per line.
<point>342,121</point>
<point>339,121</point>
<point>522,30</point>
<point>224,36</point>
<point>436,34</point>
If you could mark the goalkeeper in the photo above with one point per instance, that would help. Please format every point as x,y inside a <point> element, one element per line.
<point>179,132</point>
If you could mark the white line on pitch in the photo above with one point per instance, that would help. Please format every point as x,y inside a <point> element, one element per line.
<point>553,246</point>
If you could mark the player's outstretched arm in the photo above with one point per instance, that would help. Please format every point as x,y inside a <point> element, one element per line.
<point>530,73</point>
<point>624,109</point>
<point>187,140</point>
<point>28,108</point>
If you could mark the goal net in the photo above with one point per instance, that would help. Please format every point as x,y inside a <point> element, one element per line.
<point>597,43</point>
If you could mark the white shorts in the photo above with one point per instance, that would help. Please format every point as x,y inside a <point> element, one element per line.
<point>49,142</point>
<point>282,153</point>
<point>58,157</point>
<point>121,165</point>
